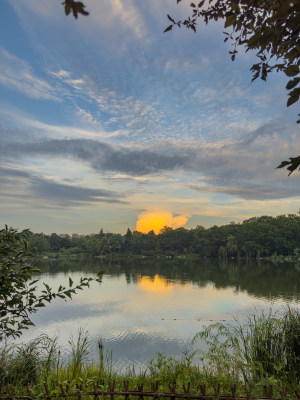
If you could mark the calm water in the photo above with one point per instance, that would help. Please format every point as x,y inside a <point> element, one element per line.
<point>148,307</point>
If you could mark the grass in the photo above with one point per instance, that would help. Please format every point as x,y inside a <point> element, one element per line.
<point>265,350</point>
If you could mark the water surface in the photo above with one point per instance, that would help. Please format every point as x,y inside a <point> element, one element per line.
<point>152,306</point>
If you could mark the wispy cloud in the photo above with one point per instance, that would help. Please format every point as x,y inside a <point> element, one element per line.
<point>51,193</point>
<point>17,74</point>
<point>243,168</point>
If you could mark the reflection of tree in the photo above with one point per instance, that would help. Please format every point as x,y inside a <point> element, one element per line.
<point>263,279</point>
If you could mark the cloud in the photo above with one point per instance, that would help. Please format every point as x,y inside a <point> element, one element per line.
<point>17,74</point>
<point>100,156</point>
<point>244,168</point>
<point>112,107</point>
<point>253,191</point>
<point>157,220</point>
<point>51,193</point>
<point>130,17</point>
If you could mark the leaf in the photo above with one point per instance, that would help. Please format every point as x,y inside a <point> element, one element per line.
<point>74,9</point>
<point>292,100</point>
<point>230,20</point>
<point>234,6</point>
<point>171,19</point>
<point>68,293</point>
<point>294,163</point>
<point>169,28</point>
<point>193,5</point>
<point>70,282</point>
<point>67,9</point>
<point>292,70</point>
<point>283,164</point>
<point>292,83</point>
<point>40,305</point>
<point>294,96</point>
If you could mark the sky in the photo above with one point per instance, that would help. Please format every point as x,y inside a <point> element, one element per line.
<point>106,121</point>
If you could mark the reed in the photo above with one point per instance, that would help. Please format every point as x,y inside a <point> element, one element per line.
<point>263,350</point>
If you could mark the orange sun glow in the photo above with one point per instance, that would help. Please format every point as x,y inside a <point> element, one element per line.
<point>155,284</point>
<point>157,220</point>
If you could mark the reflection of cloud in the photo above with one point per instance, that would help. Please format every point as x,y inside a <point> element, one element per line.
<point>157,220</point>
<point>156,284</point>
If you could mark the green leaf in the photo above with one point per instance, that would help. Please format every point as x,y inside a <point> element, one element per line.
<point>171,19</point>
<point>230,20</point>
<point>40,305</point>
<point>294,96</point>
<point>67,9</point>
<point>294,163</point>
<point>292,70</point>
<point>283,164</point>
<point>292,100</point>
<point>292,83</point>
<point>68,293</point>
<point>70,282</point>
<point>234,6</point>
<point>169,28</point>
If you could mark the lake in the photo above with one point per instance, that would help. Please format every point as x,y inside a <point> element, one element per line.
<point>150,306</point>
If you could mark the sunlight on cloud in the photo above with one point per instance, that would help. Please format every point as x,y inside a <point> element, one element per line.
<point>130,16</point>
<point>70,131</point>
<point>157,220</point>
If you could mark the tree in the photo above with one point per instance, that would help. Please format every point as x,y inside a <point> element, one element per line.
<point>38,242</point>
<point>269,27</point>
<point>19,297</point>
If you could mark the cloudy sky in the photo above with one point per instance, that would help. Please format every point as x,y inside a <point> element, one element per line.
<point>105,119</point>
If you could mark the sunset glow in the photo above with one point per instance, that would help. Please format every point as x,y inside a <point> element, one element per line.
<point>156,284</point>
<point>157,220</point>
<point>147,129</point>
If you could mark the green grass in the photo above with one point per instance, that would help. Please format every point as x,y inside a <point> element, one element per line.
<point>264,350</point>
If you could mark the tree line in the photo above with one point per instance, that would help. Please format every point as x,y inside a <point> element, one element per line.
<point>256,237</point>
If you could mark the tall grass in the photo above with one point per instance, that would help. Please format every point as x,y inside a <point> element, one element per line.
<point>26,363</point>
<point>263,350</point>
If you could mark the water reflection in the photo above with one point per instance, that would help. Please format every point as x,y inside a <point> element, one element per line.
<point>150,306</point>
<point>264,279</point>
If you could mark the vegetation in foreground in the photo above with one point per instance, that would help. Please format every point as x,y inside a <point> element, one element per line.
<point>19,296</point>
<point>265,350</point>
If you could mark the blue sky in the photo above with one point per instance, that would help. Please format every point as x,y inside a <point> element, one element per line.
<point>105,118</point>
